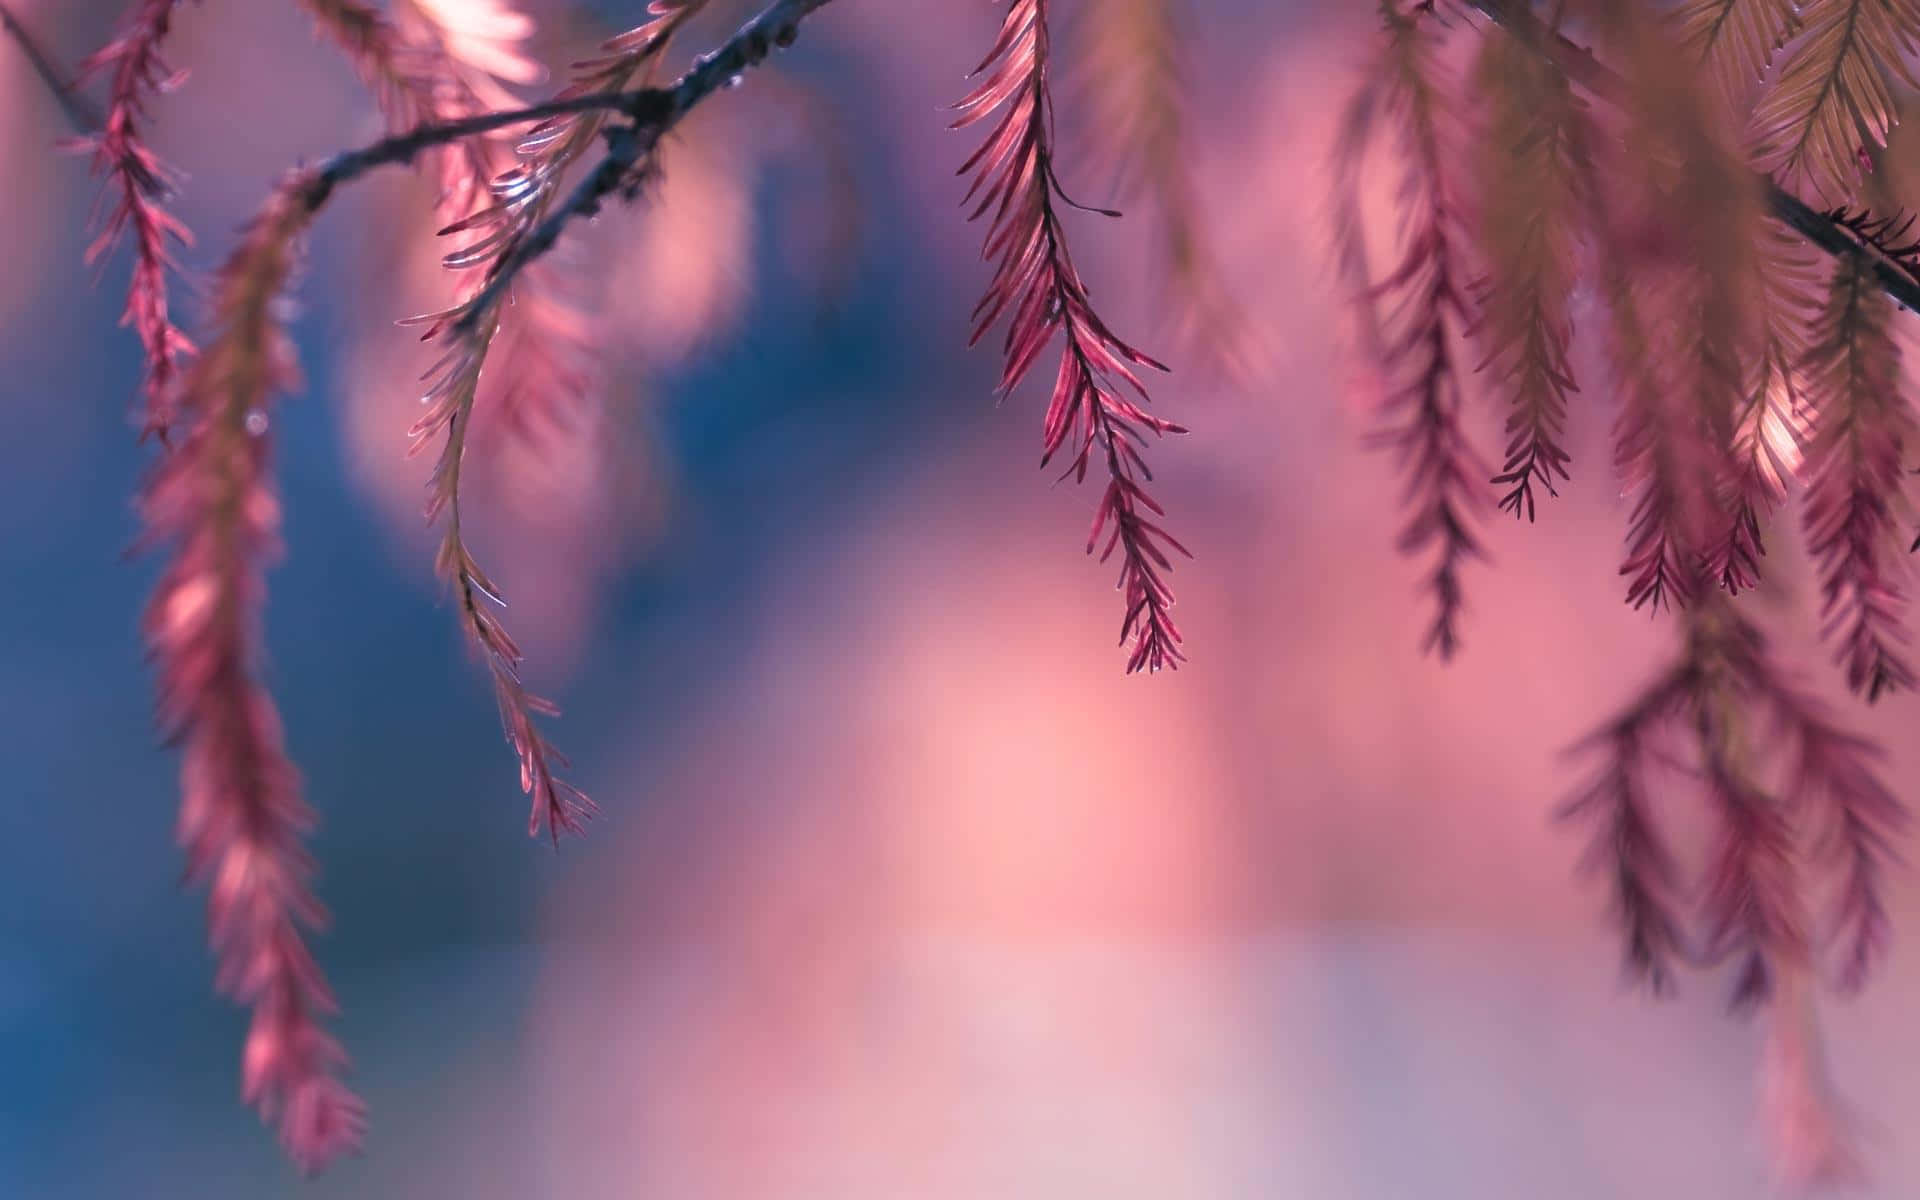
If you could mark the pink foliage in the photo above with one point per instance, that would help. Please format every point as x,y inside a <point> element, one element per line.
<point>1037,289</point>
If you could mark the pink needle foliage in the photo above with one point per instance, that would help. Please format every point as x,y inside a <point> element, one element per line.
<point>1771,761</point>
<point>1744,368</point>
<point>212,503</point>
<point>138,185</point>
<point>1415,314</point>
<point>1036,288</point>
<point>414,82</point>
<point>1854,476</point>
<point>420,79</point>
<point>241,814</point>
<point>519,199</point>
<point>1742,365</point>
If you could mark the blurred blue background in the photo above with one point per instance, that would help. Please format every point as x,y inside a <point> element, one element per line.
<point>899,887</point>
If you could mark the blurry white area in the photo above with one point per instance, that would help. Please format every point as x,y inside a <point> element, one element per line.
<point>1363,1063</point>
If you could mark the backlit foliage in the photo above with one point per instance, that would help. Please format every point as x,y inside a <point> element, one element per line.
<point>1681,198</point>
<point>1703,171</point>
<point>1039,293</point>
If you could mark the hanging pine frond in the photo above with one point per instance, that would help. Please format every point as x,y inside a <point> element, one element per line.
<point>398,73</point>
<point>1419,311</point>
<point>1831,101</point>
<point>1737,39</point>
<point>1751,349</point>
<point>1856,475</point>
<point>1627,846</point>
<point>1770,428</point>
<point>1038,290</point>
<point>556,805</point>
<point>212,503</point>
<point>1345,221</point>
<point>1836,780</point>
<point>545,331</point>
<point>1532,166</point>
<point>241,814</point>
<point>521,199</point>
<point>452,58</point>
<point>1693,714</point>
<point>135,208</point>
<point>1752,898</point>
<point>1678,233</point>
<point>1726,713</point>
<point>1137,83</point>
<point>414,82</point>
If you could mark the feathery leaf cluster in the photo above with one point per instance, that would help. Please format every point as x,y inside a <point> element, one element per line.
<point>1741,263</point>
<point>1416,313</point>
<point>241,815</point>
<point>211,502</point>
<point>135,205</point>
<point>1037,289</point>
<point>1745,269</point>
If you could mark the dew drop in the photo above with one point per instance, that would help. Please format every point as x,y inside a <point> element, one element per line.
<point>733,81</point>
<point>256,422</point>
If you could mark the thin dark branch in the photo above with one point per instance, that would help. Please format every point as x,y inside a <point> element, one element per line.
<point>640,103</point>
<point>84,117</point>
<point>1577,63</point>
<point>654,111</point>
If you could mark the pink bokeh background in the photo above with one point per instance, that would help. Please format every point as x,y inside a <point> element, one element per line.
<point>911,893</point>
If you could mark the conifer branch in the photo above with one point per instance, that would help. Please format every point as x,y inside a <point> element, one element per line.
<point>410,80</point>
<point>241,814</point>
<point>524,227</point>
<point>1659,452</point>
<point>1579,65</point>
<point>139,185</point>
<point>1743,719</point>
<point>1678,239</point>
<point>1737,39</point>
<point>1039,291</point>
<point>1732,378</point>
<point>1769,434</point>
<point>1627,845</point>
<point>630,146</point>
<point>1135,80</point>
<point>373,47</point>
<point>212,501</point>
<point>1753,889</point>
<point>414,83</point>
<point>454,383</point>
<point>1856,482</point>
<point>1886,239</point>
<point>1346,227</point>
<point>1533,164</point>
<point>1832,96</point>
<point>1420,310</point>
<point>542,364</point>
<point>1836,779</point>
<point>642,105</point>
